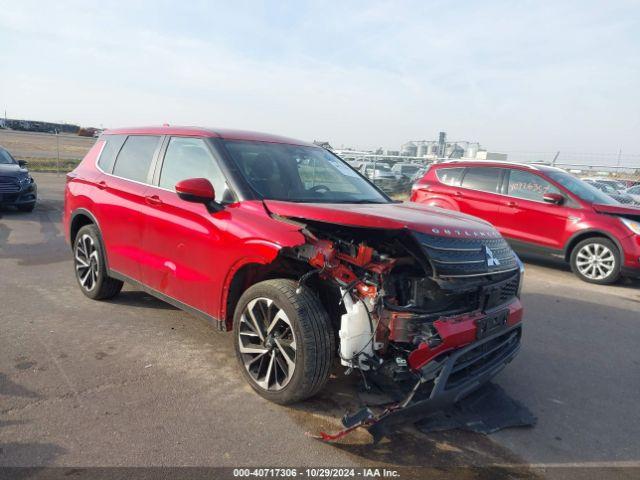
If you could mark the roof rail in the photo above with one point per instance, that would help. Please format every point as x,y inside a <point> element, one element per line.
<point>497,162</point>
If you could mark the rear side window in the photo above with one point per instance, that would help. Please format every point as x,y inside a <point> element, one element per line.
<point>112,146</point>
<point>135,157</point>
<point>485,179</point>
<point>450,176</point>
<point>529,186</point>
<point>190,158</point>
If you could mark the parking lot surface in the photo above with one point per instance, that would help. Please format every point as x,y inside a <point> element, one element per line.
<point>133,381</point>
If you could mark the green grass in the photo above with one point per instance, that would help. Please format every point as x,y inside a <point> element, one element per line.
<point>50,164</point>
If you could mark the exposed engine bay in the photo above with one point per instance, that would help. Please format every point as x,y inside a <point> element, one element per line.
<point>412,306</point>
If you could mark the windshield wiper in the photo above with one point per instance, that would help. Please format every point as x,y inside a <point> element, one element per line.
<point>377,202</point>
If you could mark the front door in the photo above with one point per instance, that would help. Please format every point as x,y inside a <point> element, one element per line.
<point>526,217</point>
<point>183,239</point>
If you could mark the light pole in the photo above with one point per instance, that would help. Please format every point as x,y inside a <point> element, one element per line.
<point>58,151</point>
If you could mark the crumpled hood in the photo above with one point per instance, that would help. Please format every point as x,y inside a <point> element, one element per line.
<point>618,210</point>
<point>421,218</point>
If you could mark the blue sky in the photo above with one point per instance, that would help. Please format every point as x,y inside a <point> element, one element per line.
<point>535,76</point>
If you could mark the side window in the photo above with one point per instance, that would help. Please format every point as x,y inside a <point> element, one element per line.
<point>112,146</point>
<point>450,176</point>
<point>135,157</point>
<point>482,178</point>
<point>190,158</point>
<point>528,186</point>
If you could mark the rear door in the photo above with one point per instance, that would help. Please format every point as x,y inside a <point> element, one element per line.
<point>526,217</point>
<point>479,195</point>
<point>125,179</point>
<point>183,240</point>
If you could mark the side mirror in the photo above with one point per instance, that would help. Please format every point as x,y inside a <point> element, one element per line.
<point>553,198</point>
<point>198,190</point>
<point>23,163</point>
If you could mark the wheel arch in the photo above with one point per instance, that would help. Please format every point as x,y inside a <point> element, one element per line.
<point>248,272</point>
<point>585,234</point>
<point>80,218</point>
<point>441,201</point>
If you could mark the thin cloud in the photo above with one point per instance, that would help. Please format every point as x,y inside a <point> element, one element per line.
<point>532,75</point>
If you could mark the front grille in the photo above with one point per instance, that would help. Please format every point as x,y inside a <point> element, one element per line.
<point>467,257</point>
<point>500,293</point>
<point>482,358</point>
<point>509,289</point>
<point>8,185</point>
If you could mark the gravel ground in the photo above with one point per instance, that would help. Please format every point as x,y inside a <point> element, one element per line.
<point>135,382</point>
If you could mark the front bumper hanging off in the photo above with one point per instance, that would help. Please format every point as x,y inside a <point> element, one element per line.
<point>441,383</point>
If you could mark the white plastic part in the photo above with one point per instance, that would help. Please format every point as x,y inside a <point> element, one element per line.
<point>355,332</point>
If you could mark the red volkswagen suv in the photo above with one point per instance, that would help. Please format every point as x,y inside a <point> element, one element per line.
<point>541,210</point>
<point>300,256</point>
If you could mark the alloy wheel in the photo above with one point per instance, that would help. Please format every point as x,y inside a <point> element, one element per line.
<point>267,344</point>
<point>595,261</point>
<point>87,262</point>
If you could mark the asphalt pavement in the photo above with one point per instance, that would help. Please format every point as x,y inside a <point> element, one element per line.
<point>136,382</point>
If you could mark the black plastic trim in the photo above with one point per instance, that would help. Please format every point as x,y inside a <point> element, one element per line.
<point>441,397</point>
<point>533,248</point>
<point>220,325</point>
<point>84,211</point>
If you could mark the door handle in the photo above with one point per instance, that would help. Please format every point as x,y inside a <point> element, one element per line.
<point>458,194</point>
<point>153,200</point>
<point>102,184</point>
<point>511,204</point>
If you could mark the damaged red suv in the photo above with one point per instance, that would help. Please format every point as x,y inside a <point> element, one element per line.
<point>302,258</point>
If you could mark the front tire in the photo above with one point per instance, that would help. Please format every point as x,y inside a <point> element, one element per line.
<point>284,341</point>
<point>596,260</point>
<point>90,266</point>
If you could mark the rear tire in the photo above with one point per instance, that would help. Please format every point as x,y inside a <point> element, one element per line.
<point>284,341</point>
<point>596,260</point>
<point>90,266</point>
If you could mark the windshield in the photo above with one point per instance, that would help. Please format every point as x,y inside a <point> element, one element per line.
<point>581,189</point>
<point>300,174</point>
<point>5,158</point>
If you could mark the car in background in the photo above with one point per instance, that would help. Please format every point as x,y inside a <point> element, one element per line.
<point>618,185</point>
<point>541,210</point>
<point>607,188</point>
<point>405,170</point>
<point>17,186</point>
<point>630,183</point>
<point>634,192</point>
<point>381,175</point>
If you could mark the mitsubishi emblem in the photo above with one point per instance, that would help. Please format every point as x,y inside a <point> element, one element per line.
<point>491,260</point>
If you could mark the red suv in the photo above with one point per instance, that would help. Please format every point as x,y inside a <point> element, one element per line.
<point>300,256</point>
<point>541,210</point>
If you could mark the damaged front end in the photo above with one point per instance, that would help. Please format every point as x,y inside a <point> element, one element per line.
<point>425,318</point>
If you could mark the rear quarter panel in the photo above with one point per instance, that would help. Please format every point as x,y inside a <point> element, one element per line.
<point>79,191</point>
<point>430,191</point>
